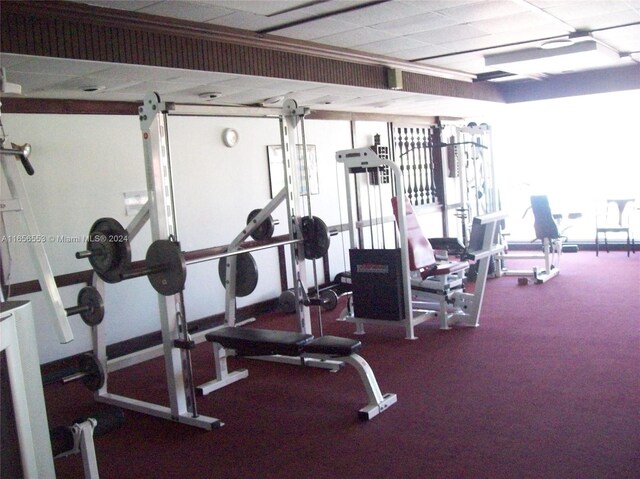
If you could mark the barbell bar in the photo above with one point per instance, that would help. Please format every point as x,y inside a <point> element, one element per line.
<point>109,253</point>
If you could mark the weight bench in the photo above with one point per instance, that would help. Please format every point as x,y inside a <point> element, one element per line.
<point>250,342</point>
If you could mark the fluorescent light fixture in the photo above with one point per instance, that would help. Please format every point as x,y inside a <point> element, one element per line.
<point>579,56</point>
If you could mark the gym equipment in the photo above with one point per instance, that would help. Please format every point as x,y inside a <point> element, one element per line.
<point>90,306</point>
<point>110,255</point>
<point>176,340</point>
<point>18,343</point>
<point>19,202</point>
<point>78,438</point>
<point>108,249</point>
<point>265,229</point>
<point>246,274</point>
<point>621,210</point>
<point>411,269</point>
<point>249,342</point>
<point>546,230</point>
<point>89,370</point>
<point>165,267</point>
<point>287,300</point>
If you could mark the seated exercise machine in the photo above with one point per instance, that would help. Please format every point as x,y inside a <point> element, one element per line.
<point>546,230</point>
<point>386,281</point>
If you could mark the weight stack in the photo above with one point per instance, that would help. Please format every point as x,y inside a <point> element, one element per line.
<point>377,284</point>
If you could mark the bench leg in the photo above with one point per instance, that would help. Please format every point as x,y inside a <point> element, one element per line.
<point>378,402</point>
<point>223,376</point>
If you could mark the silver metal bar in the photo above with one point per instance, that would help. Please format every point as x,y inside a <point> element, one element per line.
<point>241,251</point>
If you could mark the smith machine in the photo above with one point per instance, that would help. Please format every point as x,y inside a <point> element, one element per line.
<point>405,285</point>
<point>165,266</point>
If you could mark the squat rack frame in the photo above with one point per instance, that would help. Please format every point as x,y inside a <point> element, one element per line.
<point>160,212</point>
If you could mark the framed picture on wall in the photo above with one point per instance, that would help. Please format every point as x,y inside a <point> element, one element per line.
<point>276,169</point>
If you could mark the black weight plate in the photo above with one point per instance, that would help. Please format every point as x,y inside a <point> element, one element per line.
<point>329,299</point>
<point>316,237</point>
<point>265,230</point>
<point>94,376</point>
<point>110,248</point>
<point>167,265</point>
<point>246,274</point>
<point>287,301</point>
<point>89,296</point>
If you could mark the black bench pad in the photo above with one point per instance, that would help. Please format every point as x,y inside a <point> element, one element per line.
<point>333,346</point>
<point>266,342</point>
<point>259,342</point>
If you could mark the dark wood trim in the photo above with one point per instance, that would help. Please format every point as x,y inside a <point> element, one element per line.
<point>573,84</point>
<point>84,32</point>
<point>68,107</point>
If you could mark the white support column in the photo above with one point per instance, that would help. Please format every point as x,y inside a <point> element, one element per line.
<point>289,123</point>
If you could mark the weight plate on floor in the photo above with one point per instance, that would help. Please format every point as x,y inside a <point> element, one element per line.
<point>265,230</point>
<point>90,297</point>
<point>110,248</point>
<point>94,376</point>
<point>287,301</point>
<point>165,257</point>
<point>246,274</point>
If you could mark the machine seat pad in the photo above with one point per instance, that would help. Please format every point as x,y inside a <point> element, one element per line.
<point>259,342</point>
<point>448,268</point>
<point>332,346</point>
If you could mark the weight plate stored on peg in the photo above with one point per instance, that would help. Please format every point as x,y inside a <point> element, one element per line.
<point>167,267</point>
<point>315,237</point>
<point>246,274</point>
<point>110,249</point>
<point>265,230</point>
<point>90,298</point>
<point>329,299</point>
<point>94,376</point>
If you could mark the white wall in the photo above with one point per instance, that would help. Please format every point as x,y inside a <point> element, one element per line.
<point>84,165</point>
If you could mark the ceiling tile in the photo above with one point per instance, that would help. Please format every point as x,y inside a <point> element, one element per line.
<point>416,23</point>
<point>420,52</point>
<point>260,7</point>
<point>606,20</point>
<point>131,5</point>
<point>196,12</point>
<point>58,66</point>
<point>392,45</point>
<point>624,39</point>
<point>571,10</point>
<point>518,21</point>
<point>31,82</point>
<point>448,34</point>
<point>483,10</point>
<point>316,29</point>
<point>352,38</point>
<point>379,13</point>
<point>435,5</point>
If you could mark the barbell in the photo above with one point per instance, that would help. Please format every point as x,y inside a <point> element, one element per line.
<point>109,253</point>
<point>90,306</point>
<point>89,370</point>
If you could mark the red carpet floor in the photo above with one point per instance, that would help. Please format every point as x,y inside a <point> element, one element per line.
<point>547,387</point>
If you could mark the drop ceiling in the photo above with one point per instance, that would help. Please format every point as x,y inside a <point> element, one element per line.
<point>450,36</point>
